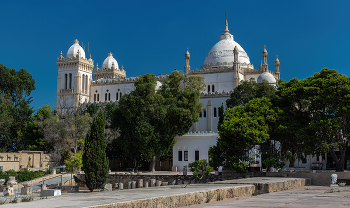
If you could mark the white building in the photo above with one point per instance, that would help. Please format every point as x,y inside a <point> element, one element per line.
<point>224,67</point>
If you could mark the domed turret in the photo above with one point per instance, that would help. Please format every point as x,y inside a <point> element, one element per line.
<point>110,62</point>
<point>268,77</point>
<point>75,50</point>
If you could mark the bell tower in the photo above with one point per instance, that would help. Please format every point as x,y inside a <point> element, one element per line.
<point>74,78</point>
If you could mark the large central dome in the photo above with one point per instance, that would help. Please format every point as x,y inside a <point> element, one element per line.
<point>221,54</point>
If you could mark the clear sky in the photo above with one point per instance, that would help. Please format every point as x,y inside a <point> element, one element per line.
<point>152,36</point>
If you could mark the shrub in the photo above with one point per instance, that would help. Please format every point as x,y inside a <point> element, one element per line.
<point>200,168</point>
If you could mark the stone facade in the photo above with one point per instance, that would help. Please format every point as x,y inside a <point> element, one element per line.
<point>25,159</point>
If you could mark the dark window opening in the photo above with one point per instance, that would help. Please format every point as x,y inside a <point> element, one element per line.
<point>215,114</point>
<point>185,155</point>
<point>208,88</point>
<point>105,96</point>
<point>200,114</point>
<point>98,97</point>
<point>70,81</point>
<point>109,96</point>
<point>196,155</point>
<point>204,113</point>
<point>65,81</point>
<point>94,97</point>
<point>212,88</point>
<point>180,156</point>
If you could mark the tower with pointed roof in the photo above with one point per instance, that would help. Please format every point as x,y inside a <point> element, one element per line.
<point>74,77</point>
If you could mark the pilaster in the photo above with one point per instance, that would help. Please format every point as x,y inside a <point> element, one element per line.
<point>209,116</point>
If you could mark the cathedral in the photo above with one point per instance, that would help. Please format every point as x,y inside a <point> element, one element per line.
<point>226,64</point>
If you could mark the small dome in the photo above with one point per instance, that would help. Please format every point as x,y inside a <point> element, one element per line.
<point>187,54</point>
<point>277,61</point>
<point>109,62</point>
<point>73,50</point>
<point>267,77</point>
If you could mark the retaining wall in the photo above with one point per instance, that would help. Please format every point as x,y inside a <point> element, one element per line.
<point>317,179</point>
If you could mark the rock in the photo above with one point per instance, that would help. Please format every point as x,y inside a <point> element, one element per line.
<point>121,186</point>
<point>8,191</point>
<point>26,191</point>
<point>108,187</point>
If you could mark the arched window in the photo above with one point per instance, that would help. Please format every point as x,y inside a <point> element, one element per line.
<point>208,88</point>
<point>70,81</point>
<point>86,83</point>
<point>117,98</point>
<point>109,96</point>
<point>212,88</point>
<point>98,97</point>
<point>83,83</point>
<point>215,112</point>
<point>65,81</point>
<point>94,97</point>
<point>105,96</point>
<point>204,113</point>
<point>121,94</point>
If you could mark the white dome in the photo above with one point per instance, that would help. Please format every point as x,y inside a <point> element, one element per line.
<point>222,51</point>
<point>109,61</point>
<point>73,50</point>
<point>267,77</point>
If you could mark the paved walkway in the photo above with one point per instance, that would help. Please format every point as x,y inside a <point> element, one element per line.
<point>88,199</point>
<point>307,196</point>
<point>37,186</point>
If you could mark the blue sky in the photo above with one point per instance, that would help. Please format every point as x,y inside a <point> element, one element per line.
<point>152,36</point>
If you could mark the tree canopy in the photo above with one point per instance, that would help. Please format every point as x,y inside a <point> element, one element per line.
<point>242,129</point>
<point>248,90</point>
<point>150,119</point>
<point>15,87</point>
<point>309,116</point>
<point>94,158</point>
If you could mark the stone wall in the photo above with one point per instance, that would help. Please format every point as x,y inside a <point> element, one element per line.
<point>317,179</point>
<point>187,199</point>
<point>171,179</point>
<point>25,159</point>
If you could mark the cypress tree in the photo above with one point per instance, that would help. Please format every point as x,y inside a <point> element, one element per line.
<point>95,161</point>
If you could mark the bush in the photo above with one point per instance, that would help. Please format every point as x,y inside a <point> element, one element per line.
<point>272,164</point>
<point>23,175</point>
<point>200,168</point>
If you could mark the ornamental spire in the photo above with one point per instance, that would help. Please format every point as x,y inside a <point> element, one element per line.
<point>226,24</point>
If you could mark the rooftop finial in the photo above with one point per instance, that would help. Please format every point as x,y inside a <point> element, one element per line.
<point>226,24</point>
<point>76,41</point>
<point>110,54</point>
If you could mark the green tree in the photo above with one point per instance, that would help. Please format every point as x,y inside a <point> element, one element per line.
<point>242,129</point>
<point>74,162</point>
<point>248,90</point>
<point>32,134</point>
<point>328,96</point>
<point>16,86</point>
<point>150,119</point>
<point>95,161</point>
<point>292,134</point>
<point>6,119</point>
